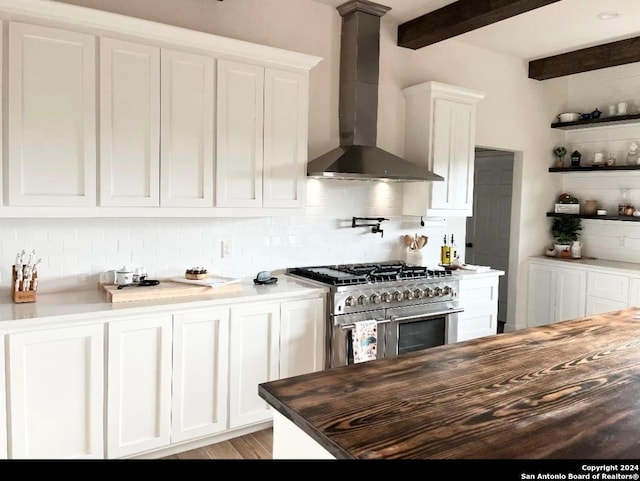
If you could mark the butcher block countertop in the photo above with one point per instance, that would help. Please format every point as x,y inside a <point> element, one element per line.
<point>569,390</point>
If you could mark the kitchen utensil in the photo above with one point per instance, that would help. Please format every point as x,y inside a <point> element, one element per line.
<point>422,241</point>
<point>141,283</point>
<point>408,240</point>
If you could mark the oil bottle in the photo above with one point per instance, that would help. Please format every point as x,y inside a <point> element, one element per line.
<point>453,255</point>
<point>445,253</point>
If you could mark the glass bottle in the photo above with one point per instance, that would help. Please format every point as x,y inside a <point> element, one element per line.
<point>445,253</point>
<point>454,251</point>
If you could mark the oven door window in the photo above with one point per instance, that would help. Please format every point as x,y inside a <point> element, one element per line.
<point>421,334</point>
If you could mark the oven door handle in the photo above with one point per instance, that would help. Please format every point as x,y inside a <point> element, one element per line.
<point>424,316</point>
<point>346,327</point>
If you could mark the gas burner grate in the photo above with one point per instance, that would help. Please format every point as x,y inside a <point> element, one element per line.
<point>348,274</point>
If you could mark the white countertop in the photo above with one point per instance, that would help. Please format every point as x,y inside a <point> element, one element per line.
<point>91,304</point>
<point>628,268</point>
<point>462,273</point>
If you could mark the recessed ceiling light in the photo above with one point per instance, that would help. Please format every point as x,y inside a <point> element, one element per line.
<point>608,15</point>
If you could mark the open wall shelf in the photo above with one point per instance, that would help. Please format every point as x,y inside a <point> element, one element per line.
<point>587,168</point>
<point>601,122</point>
<point>627,218</point>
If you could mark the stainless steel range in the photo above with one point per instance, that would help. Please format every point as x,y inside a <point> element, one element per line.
<point>414,307</point>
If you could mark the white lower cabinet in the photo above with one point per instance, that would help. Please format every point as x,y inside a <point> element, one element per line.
<point>556,293</point>
<point>606,292</point>
<point>634,292</point>
<point>200,374</point>
<point>3,405</point>
<point>254,359</point>
<point>167,378</point>
<point>268,342</point>
<point>139,385</point>
<point>302,327</point>
<point>479,297</point>
<point>56,393</point>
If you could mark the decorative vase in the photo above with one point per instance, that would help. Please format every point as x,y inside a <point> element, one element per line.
<point>560,248</point>
<point>560,162</point>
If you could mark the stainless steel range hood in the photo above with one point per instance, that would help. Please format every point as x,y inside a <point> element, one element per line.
<point>358,157</point>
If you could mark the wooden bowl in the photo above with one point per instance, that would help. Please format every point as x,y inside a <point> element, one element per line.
<point>196,277</point>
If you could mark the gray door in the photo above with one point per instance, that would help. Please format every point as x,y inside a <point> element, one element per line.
<point>487,240</point>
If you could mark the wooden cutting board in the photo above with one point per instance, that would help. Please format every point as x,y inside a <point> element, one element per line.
<point>165,290</point>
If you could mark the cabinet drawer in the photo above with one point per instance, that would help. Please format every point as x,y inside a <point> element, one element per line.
<point>608,286</point>
<point>598,305</point>
<point>478,292</point>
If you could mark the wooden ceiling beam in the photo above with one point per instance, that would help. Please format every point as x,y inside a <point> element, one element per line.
<point>592,58</point>
<point>460,17</point>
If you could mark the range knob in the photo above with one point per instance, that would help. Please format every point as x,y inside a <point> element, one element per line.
<point>363,300</point>
<point>386,297</point>
<point>429,292</point>
<point>437,292</point>
<point>350,301</point>
<point>397,295</point>
<point>408,295</point>
<point>447,290</point>
<point>375,298</point>
<point>418,293</point>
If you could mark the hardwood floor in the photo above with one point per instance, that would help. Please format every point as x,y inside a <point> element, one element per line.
<point>250,446</point>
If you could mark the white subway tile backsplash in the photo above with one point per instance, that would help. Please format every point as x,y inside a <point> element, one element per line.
<point>76,251</point>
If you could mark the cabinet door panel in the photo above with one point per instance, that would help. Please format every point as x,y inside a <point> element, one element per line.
<point>285,138</point>
<point>52,125</point>
<point>200,374</point>
<point>571,292</point>
<point>302,337</point>
<point>139,385</point>
<point>129,124</point>
<point>188,87</point>
<point>254,347</point>
<point>239,143</point>
<point>3,405</point>
<point>453,155</point>
<point>541,296</point>
<point>56,389</point>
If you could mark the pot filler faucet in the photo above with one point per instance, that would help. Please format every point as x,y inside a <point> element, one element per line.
<point>375,228</point>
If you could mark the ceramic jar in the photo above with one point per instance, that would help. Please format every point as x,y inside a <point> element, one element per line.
<point>590,207</point>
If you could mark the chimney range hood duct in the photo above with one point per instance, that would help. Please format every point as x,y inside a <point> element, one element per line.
<point>358,157</point>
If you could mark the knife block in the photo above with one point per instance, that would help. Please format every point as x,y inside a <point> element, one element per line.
<point>20,296</point>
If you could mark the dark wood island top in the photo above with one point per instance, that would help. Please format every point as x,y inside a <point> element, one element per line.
<point>569,390</point>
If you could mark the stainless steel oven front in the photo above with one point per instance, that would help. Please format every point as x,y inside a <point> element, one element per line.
<point>399,330</point>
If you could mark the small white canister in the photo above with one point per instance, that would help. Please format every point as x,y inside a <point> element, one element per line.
<point>415,257</point>
<point>124,276</point>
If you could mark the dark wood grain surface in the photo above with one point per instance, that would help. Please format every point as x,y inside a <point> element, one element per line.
<point>570,390</point>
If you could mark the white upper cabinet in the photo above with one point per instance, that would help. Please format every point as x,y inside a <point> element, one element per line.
<point>261,136</point>
<point>285,138</point>
<point>440,135</point>
<point>187,130</point>
<point>52,117</point>
<point>239,134</point>
<point>129,124</point>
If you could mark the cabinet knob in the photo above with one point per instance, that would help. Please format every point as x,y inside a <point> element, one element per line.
<point>469,244</point>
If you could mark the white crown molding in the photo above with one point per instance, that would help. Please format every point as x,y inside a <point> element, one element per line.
<point>224,47</point>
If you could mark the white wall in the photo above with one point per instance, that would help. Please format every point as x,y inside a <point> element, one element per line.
<point>515,116</point>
